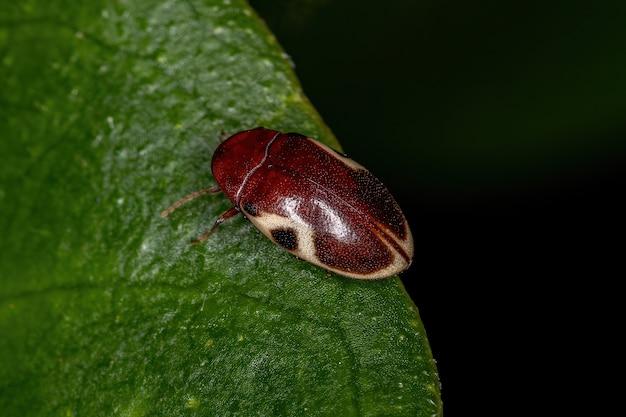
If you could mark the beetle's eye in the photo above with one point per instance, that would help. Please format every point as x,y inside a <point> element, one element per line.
<point>286,238</point>
<point>249,208</point>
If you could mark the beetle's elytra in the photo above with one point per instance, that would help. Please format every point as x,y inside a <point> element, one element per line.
<point>312,201</point>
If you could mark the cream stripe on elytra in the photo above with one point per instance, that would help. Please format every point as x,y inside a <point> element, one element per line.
<point>253,170</point>
<point>305,245</point>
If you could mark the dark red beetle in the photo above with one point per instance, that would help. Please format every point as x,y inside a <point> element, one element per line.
<point>312,201</point>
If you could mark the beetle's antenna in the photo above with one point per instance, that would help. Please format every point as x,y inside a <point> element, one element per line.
<point>211,190</point>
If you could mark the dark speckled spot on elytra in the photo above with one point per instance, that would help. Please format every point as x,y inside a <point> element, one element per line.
<point>379,201</point>
<point>285,238</point>
<point>249,208</point>
<point>294,135</point>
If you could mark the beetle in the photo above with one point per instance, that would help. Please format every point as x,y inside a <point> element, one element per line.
<point>312,201</point>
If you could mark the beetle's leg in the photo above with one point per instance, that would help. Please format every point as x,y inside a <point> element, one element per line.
<point>231,212</point>
<point>211,190</point>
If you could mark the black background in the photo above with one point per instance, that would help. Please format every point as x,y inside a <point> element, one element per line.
<point>500,128</point>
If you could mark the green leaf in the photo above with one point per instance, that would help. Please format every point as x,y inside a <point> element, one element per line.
<point>110,113</point>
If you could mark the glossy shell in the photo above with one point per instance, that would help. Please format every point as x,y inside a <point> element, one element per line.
<point>314,202</point>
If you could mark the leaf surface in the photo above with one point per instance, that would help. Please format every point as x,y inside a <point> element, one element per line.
<point>110,113</point>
